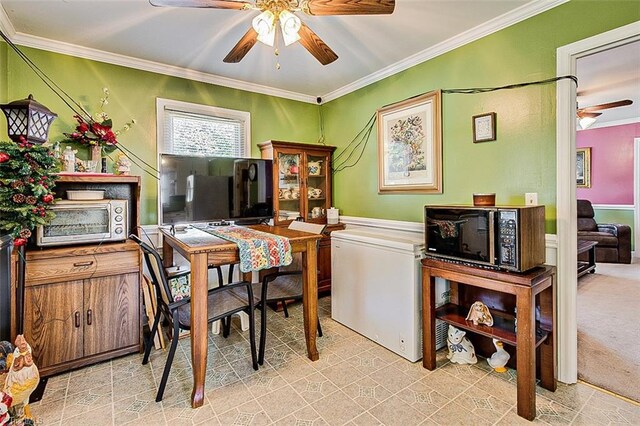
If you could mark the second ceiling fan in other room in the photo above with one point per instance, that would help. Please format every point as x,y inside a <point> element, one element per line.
<point>282,13</point>
<point>587,115</point>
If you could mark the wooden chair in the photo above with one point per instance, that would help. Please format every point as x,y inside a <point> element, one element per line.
<point>223,301</point>
<point>284,285</point>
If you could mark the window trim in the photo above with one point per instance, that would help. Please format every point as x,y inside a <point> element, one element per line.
<point>190,107</point>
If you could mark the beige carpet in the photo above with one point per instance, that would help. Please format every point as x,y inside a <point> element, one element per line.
<point>609,328</point>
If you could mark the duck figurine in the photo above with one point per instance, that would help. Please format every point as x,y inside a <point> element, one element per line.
<point>499,358</point>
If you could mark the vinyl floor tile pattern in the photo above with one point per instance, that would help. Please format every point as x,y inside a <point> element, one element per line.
<point>355,382</point>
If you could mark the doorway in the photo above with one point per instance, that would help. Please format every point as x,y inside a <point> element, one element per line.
<point>566,190</point>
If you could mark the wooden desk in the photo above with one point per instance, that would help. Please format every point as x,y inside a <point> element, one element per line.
<point>501,292</point>
<point>203,249</point>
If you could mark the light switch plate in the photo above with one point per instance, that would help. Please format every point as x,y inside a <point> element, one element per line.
<point>531,198</point>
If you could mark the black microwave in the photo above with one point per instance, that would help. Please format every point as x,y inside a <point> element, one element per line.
<point>496,237</point>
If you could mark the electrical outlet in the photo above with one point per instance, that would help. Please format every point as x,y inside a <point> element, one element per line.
<point>531,198</point>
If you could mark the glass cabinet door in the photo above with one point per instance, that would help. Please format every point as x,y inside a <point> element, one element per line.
<point>317,187</point>
<point>289,186</point>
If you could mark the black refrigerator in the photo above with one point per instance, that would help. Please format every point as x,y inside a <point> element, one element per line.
<point>6,244</point>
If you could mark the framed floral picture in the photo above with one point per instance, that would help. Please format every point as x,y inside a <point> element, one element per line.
<point>410,145</point>
<point>583,167</point>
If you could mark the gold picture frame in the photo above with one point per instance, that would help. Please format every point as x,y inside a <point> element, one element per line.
<point>583,167</point>
<point>410,145</point>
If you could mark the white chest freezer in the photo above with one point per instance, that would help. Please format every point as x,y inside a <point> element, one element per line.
<point>376,288</point>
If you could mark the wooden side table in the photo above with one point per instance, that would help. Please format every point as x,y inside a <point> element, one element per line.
<point>532,294</point>
<point>588,266</point>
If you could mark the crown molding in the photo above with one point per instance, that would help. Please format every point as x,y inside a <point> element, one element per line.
<point>5,24</point>
<point>524,12</point>
<point>517,15</point>
<point>27,40</point>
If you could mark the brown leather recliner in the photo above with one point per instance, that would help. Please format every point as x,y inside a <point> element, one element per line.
<point>614,240</point>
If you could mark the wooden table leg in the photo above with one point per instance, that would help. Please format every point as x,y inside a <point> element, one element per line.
<point>592,259</point>
<point>310,298</point>
<point>199,275</point>
<point>428,320</point>
<point>526,353</point>
<point>167,254</point>
<point>548,348</point>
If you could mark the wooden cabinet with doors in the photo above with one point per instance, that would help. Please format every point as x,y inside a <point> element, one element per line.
<point>82,304</point>
<point>302,188</point>
<point>301,180</point>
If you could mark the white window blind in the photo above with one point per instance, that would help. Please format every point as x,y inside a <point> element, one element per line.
<point>193,129</point>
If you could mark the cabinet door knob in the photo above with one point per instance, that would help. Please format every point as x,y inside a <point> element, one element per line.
<point>77,314</point>
<point>87,263</point>
<point>89,317</point>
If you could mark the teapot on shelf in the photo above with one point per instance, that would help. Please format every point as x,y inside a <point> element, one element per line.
<point>314,167</point>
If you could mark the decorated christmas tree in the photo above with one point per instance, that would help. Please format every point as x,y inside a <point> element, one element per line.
<point>27,178</point>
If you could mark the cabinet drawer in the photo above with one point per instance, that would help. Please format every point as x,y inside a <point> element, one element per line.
<point>49,270</point>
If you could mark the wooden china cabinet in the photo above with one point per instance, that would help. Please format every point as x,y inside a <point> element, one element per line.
<point>302,188</point>
<point>301,180</point>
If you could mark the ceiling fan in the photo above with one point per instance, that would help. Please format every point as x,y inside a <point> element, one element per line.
<point>587,115</point>
<point>293,29</point>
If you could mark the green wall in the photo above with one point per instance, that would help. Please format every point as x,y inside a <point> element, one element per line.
<point>624,217</point>
<point>133,94</point>
<point>523,157</point>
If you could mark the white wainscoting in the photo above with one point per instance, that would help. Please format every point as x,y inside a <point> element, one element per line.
<point>353,222</point>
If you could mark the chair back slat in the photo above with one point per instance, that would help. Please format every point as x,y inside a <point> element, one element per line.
<point>312,228</point>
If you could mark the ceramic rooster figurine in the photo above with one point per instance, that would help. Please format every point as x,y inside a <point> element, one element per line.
<point>22,379</point>
<point>499,358</point>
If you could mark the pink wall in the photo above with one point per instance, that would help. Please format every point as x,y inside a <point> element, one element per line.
<point>611,163</point>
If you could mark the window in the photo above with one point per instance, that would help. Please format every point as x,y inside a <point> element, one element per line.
<point>192,129</point>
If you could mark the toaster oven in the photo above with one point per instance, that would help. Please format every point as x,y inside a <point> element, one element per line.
<point>81,222</point>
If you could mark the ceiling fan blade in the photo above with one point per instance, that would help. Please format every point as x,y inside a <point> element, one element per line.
<point>215,4</point>
<point>608,105</point>
<point>583,114</point>
<point>316,46</point>
<point>349,7</point>
<point>242,47</point>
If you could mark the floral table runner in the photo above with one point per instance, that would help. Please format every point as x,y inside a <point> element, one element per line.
<point>258,250</point>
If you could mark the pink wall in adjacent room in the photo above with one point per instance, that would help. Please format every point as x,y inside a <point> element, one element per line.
<point>611,163</point>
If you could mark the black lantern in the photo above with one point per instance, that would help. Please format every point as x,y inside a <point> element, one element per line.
<point>28,119</point>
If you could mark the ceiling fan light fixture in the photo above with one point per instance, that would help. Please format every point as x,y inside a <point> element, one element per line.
<point>585,122</point>
<point>290,25</point>
<point>263,24</point>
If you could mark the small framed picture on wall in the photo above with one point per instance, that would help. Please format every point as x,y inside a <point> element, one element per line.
<point>484,127</point>
<point>583,167</point>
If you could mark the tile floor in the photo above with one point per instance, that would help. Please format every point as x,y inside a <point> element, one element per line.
<point>355,382</point>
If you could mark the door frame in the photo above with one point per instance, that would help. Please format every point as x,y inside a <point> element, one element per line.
<point>636,197</point>
<point>566,211</point>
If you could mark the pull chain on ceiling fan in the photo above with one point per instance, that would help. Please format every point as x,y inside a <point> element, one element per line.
<point>263,27</point>
<point>588,115</point>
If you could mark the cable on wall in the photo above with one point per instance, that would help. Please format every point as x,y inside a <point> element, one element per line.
<point>73,105</point>
<point>321,139</point>
<point>358,143</point>
<point>351,149</point>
